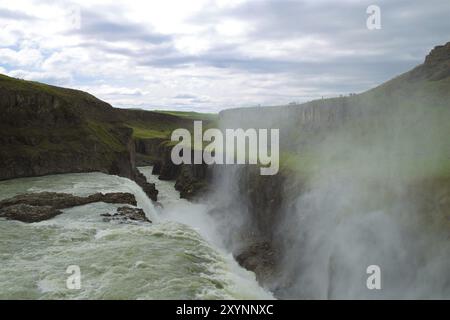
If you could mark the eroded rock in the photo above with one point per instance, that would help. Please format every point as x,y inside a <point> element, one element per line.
<point>258,257</point>
<point>28,213</point>
<point>34,207</point>
<point>126,215</point>
<point>149,188</point>
<point>66,200</point>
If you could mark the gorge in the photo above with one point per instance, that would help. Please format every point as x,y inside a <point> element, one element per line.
<point>363,180</point>
<point>233,147</point>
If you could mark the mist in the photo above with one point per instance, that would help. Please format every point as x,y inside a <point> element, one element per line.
<point>374,195</point>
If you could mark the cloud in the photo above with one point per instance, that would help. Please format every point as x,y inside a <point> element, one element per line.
<point>211,54</point>
<point>61,79</point>
<point>185,96</point>
<point>95,26</point>
<point>22,57</point>
<point>14,15</point>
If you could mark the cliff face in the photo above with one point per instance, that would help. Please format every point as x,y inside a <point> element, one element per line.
<point>403,122</point>
<point>437,63</point>
<point>42,133</point>
<point>192,180</point>
<point>426,85</point>
<point>50,130</point>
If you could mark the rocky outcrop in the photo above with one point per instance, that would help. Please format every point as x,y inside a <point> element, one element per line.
<point>66,200</point>
<point>34,207</point>
<point>259,257</point>
<point>166,169</point>
<point>436,66</point>
<point>262,200</point>
<point>149,188</point>
<point>50,130</point>
<point>126,215</point>
<point>149,146</point>
<point>156,168</point>
<point>193,180</point>
<point>440,54</point>
<point>29,213</point>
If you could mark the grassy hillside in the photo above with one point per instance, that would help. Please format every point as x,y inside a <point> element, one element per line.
<point>191,115</point>
<point>46,129</point>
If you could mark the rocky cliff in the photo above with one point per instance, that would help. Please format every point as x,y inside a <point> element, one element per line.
<point>192,180</point>
<point>50,130</point>
<point>427,84</point>
<point>401,129</point>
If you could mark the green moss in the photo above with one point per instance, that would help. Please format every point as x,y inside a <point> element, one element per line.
<point>149,133</point>
<point>103,133</point>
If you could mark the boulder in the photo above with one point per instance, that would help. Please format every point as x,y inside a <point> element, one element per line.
<point>34,207</point>
<point>149,188</point>
<point>258,257</point>
<point>28,213</point>
<point>126,215</point>
<point>66,200</point>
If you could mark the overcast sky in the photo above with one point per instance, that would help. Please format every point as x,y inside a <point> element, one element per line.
<point>209,55</point>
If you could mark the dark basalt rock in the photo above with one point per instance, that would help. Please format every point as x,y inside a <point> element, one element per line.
<point>28,213</point>
<point>34,207</point>
<point>168,170</point>
<point>193,180</point>
<point>439,54</point>
<point>49,130</point>
<point>126,215</point>
<point>258,257</point>
<point>149,188</point>
<point>156,168</point>
<point>436,66</point>
<point>66,200</point>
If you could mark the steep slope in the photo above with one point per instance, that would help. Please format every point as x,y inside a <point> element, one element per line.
<point>383,151</point>
<point>427,84</point>
<point>46,130</point>
<point>422,93</point>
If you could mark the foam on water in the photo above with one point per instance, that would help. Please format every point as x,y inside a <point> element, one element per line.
<point>164,260</point>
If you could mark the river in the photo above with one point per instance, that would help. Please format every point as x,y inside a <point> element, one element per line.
<point>175,257</point>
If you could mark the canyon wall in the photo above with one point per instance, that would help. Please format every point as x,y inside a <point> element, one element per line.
<point>50,130</point>
<point>366,178</point>
<point>192,180</point>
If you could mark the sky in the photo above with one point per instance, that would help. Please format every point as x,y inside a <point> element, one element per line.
<point>209,55</point>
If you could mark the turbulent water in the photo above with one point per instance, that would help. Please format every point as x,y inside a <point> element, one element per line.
<point>176,257</point>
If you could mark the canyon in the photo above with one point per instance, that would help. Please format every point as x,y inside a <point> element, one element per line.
<point>379,159</point>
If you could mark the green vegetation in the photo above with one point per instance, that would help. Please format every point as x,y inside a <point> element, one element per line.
<point>103,132</point>
<point>20,85</point>
<point>191,115</point>
<point>140,132</point>
<point>163,128</point>
<point>404,122</point>
<point>71,121</point>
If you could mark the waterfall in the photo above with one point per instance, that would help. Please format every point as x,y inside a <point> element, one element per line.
<point>373,193</point>
<point>167,259</point>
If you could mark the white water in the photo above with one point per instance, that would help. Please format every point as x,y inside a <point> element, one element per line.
<point>176,257</point>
